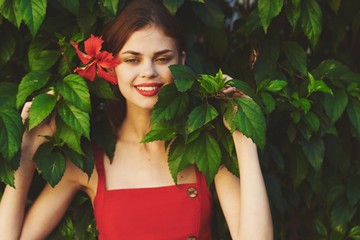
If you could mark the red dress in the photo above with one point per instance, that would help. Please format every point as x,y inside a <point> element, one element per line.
<point>167,213</point>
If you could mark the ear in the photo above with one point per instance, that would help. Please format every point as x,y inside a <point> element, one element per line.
<point>111,71</point>
<point>183,57</point>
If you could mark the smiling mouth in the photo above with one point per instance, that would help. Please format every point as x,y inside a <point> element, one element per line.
<point>147,89</point>
<point>150,90</point>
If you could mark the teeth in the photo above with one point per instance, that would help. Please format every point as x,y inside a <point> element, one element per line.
<point>147,88</point>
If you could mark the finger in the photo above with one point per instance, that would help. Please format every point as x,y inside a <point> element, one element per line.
<point>51,92</point>
<point>25,111</point>
<point>227,77</point>
<point>229,89</point>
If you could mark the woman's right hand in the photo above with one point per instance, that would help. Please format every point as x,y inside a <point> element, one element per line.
<point>35,137</point>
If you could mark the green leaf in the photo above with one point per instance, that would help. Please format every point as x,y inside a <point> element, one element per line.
<point>252,23</point>
<point>353,111</point>
<point>184,77</point>
<point>84,162</point>
<point>353,190</point>
<point>171,103</point>
<point>299,167</point>
<point>311,20</point>
<point>86,19</point>
<point>207,155</point>
<point>275,85</point>
<point>276,155</point>
<point>33,12</point>
<point>70,136</point>
<point>104,137</point>
<point>229,113</point>
<point>210,13</point>
<point>296,3</point>
<point>320,227</point>
<point>303,103</point>
<point>335,193</point>
<point>101,88</point>
<point>243,86</point>
<point>111,5</point>
<point>6,173</point>
<point>40,59</point>
<point>8,92</point>
<point>208,83</point>
<point>10,12</point>
<point>201,115</point>
<point>355,232</point>
<point>312,121</point>
<point>51,164</point>
<point>342,212</point>
<point>7,48</point>
<point>41,107</point>
<point>314,151</point>
<point>274,190</point>
<point>331,69</point>
<point>334,5</point>
<point>250,121</point>
<point>11,130</point>
<point>7,169</point>
<point>74,89</point>
<point>160,131</point>
<point>269,102</point>
<point>70,5</point>
<point>180,157</point>
<point>172,5</point>
<point>31,82</point>
<point>318,85</point>
<point>74,117</point>
<point>268,9</point>
<point>336,104</point>
<point>293,14</point>
<point>225,138</point>
<point>296,56</point>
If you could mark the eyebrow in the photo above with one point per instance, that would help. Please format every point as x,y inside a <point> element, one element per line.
<point>139,54</point>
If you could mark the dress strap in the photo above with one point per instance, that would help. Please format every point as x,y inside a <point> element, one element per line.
<point>99,163</point>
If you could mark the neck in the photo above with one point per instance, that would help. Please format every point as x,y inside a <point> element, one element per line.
<point>136,124</point>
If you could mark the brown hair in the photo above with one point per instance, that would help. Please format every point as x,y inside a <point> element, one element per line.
<point>137,15</point>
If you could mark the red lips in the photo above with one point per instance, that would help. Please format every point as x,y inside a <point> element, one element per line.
<point>148,89</point>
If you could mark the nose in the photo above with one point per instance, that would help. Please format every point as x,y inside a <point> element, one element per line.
<point>148,70</point>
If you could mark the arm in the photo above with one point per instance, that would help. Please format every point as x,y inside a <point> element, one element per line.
<point>52,202</point>
<point>12,205</point>
<point>50,206</point>
<point>244,201</point>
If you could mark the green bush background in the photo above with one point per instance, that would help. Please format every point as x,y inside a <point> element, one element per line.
<point>311,160</point>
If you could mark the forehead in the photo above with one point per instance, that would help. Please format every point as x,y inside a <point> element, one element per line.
<point>149,39</point>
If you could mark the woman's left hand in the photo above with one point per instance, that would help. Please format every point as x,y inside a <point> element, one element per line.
<point>236,93</point>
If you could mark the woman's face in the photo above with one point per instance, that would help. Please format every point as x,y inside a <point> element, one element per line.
<point>144,69</point>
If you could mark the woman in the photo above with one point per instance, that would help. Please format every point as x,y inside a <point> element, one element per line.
<point>135,196</point>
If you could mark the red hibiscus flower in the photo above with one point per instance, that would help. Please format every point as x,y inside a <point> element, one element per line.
<point>94,57</point>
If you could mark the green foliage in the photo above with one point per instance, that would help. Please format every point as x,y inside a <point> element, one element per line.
<point>177,103</point>
<point>296,59</point>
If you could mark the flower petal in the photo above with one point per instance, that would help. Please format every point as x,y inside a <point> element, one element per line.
<point>107,60</point>
<point>88,72</point>
<point>93,45</point>
<point>83,57</point>
<point>105,75</point>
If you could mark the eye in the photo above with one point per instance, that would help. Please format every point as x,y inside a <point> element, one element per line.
<point>162,60</point>
<point>132,60</point>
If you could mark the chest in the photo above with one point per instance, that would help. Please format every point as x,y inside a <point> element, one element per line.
<point>136,168</point>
